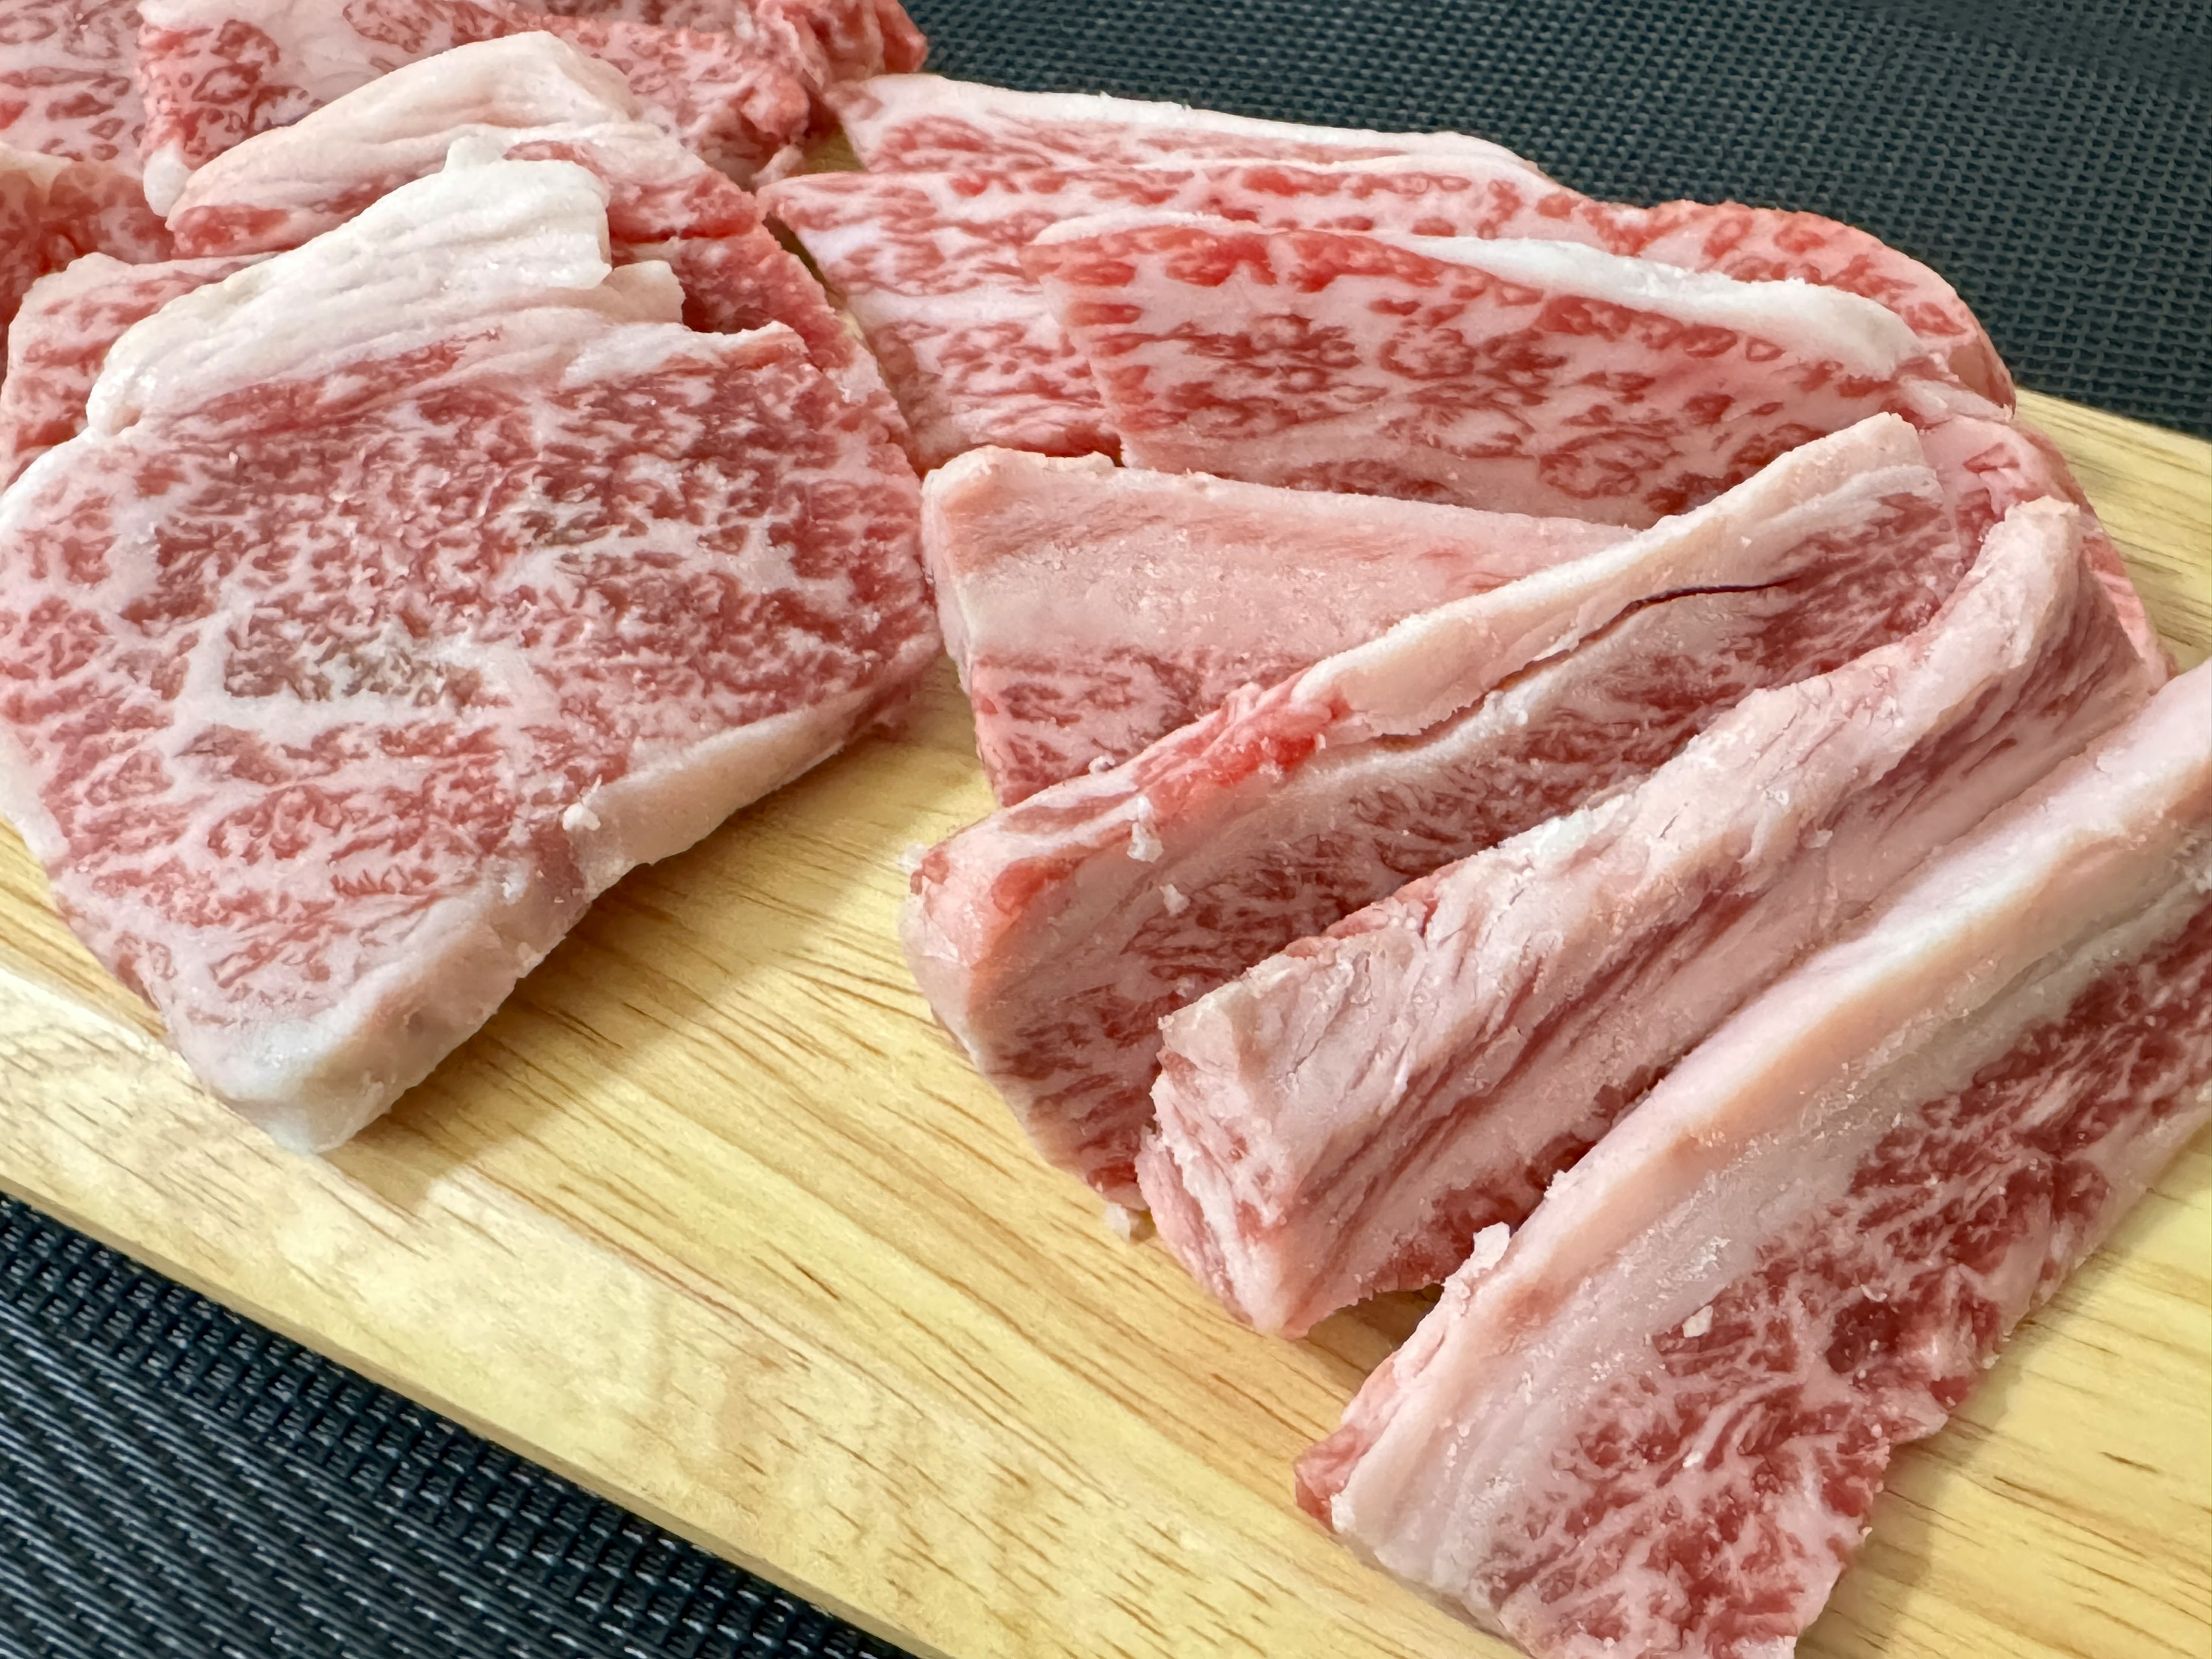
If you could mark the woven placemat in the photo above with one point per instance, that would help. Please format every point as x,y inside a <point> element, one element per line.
<point>175,1481</point>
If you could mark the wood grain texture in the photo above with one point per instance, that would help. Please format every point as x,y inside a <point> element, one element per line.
<point>712,1218</point>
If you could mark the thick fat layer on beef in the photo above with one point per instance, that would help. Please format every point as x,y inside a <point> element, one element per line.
<point>528,97</point>
<point>905,246</point>
<point>1518,376</point>
<point>1347,1117</point>
<point>401,593</point>
<point>62,334</point>
<point>925,122</point>
<point>1658,1422</point>
<point>66,81</point>
<point>215,72</point>
<point>1052,937</point>
<point>1092,609</point>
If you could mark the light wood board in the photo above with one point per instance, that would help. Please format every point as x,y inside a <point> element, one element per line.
<point>712,1218</point>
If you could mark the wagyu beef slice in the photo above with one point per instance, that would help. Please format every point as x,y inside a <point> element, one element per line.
<point>1092,609</point>
<point>1349,1115</point>
<point>62,334</point>
<point>53,210</point>
<point>1516,376</point>
<point>904,248</point>
<point>1989,465</point>
<point>909,123</point>
<point>1052,937</point>
<point>529,97</point>
<point>1657,1424</point>
<point>215,72</point>
<point>402,591</point>
<point>67,86</point>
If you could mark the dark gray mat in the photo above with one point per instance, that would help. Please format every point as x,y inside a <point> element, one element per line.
<point>173,1481</point>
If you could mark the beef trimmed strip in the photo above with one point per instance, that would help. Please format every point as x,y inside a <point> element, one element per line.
<point>1347,1117</point>
<point>1052,937</point>
<point>1092,609</point>
<point>529,97</point>
<point>1659,1422</point>
<point>925,122</point>
<point>1516,376</point>
<point>215,72</point>
<point>927,259</point>
<point>403,591</point>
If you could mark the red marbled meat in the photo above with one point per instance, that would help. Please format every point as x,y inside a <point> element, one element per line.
<point>1988,467</point>
<point>926,123</point>
<point>1347,1117</point>
<point>215,72</point>
<point>1051,938</point>
<point>837,40</point>
<point>53,210</point>
<point>1092,609</point>
<point>66,81</point>
<point>1515,376</point>
<point>402,591</point>
<point>528,97</point>
<point>61,335</point>
<point>1657,1423</point>
<point>910,251</point>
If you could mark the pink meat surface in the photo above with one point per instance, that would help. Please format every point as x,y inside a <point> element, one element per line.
<point>1988,467</point>
<point>925,122</point>
<point>1092,609</point>
<point>402,591</point>
<point>1516,376</point>
<point>66,85</point>
<point>1347,1117</point>
<point>215,72</point>
<point>1051,938</point>
<point>837,40</point>
<point>54,210</point>
<point>529,97</point>
<point>908,249</point>
<point>856,39</point>
<point>61,335</point>
<point>1658,1424</point>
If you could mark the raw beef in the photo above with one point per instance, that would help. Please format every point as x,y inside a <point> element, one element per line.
<point>925,122</point>
<point>1092,609</point>
<point>1052,937</point>
<point>61,335</point>
<point>402,591</point>
<point>909,251</point>
<point>1347,1117</point>
<point>529,97</point>
<point>66,86</point>
<point>1989,465</point>
<point>53,210</point>
<point>1657,1423</point>
<point>839,39</point>
<point>215,72</point>
<point>1516,376</point>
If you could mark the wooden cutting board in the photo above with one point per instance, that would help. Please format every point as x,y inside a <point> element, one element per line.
<point>712,1219</point>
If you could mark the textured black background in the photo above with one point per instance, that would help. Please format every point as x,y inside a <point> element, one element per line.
<point>175,1481</point>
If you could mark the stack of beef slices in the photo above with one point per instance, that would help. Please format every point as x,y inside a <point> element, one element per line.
<point>480,502</point>
<point>107,107</point>
<point>1575,752</point>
